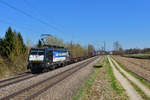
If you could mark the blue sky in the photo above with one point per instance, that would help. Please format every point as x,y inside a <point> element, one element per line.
<point>82,21</point>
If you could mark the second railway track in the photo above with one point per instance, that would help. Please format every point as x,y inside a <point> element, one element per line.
<point>34,90</point>
<point>16,79</point>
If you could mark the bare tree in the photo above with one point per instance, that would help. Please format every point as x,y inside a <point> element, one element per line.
<point>52,40</point>
<point>117,46</point>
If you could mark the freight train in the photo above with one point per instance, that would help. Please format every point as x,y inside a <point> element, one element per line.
<point>50,57</point>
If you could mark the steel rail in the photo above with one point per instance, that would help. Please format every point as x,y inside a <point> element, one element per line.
<point>17,81</point>
<point>1,81</point>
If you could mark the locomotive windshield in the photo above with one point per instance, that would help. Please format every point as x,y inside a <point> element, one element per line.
<point>37,52</point>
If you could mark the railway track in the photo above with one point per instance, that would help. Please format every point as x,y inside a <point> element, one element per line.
<point>15,77</point>
<point>36,89</point>
<point>14,80</point>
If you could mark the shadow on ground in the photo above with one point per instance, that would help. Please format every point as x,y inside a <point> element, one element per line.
<point>98,66</point>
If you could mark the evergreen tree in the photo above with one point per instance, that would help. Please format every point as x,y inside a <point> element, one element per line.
<point>1,46</point>
<point>9,42</point>
<point>16,50</point>
<point>12,44</point>
<point>20,39</point>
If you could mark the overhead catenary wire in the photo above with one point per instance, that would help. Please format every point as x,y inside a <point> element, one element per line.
<point>12,24</point>
<point>38,12</point>
<point>20,27</point>
<point>34,10</point>
<point>29,15</point>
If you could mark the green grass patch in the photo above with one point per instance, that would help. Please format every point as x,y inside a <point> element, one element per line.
<point>144,96</point>
<point>88,84</point>
<point>112,79</point>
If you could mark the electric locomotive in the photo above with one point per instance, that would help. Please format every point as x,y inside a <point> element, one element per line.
<point>48,57</point>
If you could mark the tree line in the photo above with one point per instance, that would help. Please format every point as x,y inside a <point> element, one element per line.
<point>12,45</point>
<point>118,50</point>
<point>77,50</point>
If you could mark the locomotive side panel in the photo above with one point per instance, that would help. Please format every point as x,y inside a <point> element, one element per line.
<point>59,56</point>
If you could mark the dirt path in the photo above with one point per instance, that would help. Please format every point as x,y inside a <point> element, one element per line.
<point>140,67</point>
<point>134,80</point>
<point>131,92</point>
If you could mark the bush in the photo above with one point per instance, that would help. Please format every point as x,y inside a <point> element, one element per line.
<point>1,60</point>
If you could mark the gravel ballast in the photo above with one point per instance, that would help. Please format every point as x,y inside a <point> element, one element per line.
<point>68,88</point>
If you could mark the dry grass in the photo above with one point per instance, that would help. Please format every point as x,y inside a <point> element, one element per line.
<point>7,68</point>
<point>1,60</point>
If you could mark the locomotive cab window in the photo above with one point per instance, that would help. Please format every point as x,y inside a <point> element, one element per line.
<point>37,52</point>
